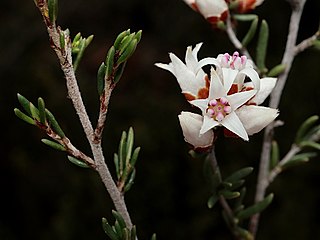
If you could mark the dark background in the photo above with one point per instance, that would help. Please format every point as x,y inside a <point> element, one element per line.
<point>43,196</point>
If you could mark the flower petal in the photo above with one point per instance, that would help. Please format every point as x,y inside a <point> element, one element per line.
<point>233,123</point>
<point>255,118</point>
<point>209,8</point>
<point>266,86</point>
<point>191,124</point>
<point>208,123</point>
<point>229,75</point>
<point>216,89</point>
<point>253,75</point>
<point>238,99</point>
<point>200,103</point>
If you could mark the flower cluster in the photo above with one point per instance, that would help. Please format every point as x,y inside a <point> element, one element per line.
<point>217,11</point>
<point>229,99</point>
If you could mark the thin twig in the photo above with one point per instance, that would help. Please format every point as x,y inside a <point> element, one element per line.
<point>65,59</point>
<point>235,41</point>
<point>288,57</point>
<point>306,43</point>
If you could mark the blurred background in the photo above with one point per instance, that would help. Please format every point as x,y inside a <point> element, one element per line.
<point>44,196</point>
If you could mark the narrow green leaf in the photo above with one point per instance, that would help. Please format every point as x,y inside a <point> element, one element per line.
<point>53,10</point>
<point>125,234</point>
<point>119,218</point>
<point>277,70</point>
<point>244,234</point>
<point>117,165</point>
<point>314,131</point>
<point>316,44</point>
<point>100,78</point>
<point>245,17</point>
<point>122,153</point>
<point>305,127</point>
<point>133,233</point>
<point>256,208</point>
<point>88,40</point>
<point>130,182</point>
<point>24,117</point>
<point>129,145</point>
<point>108,230</point>
<point>310,144</point>
<point>134,157</point>
<point>53,144</point>
<point>138,36</point>
<point>275,154</point>
<point>251,32</point>
<point>120,38</point>
<point>82,47</point>
<point>119,72</point>
<point>127,53</point>
<point>236,185</point>
<point>229,194</point>
<point>238,175</point>
<point>212,200</point>
<point>77,162</point>
<point>238,205</point>
<point>34,112</point>
<point>154,237</point>
<point>299,159</point>
<point>54,124</point>
<point>25,103</point>
<point>42,110</point>
<point>118,229</point>
<point>110,61</point>
<point>62,40</point>
<point>76,39</point>
<point>262,46</point>
<point>125,42</point>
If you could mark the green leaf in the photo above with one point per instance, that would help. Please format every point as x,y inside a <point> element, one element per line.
<point>62,40</point>
<point>299,159</point>
<point>119,72</point>
<point>236,185</point>
<point>42,110</point>
<point>82,47</point>
<point>125,42</point>
<point>138,36</point>
<point>212,200</point>
<point>53,144</point>
<point>110,61</point>
<point>130,182</point>
<point>305,127</point>
<point>134,157</point>
<point>53,10</point>
<point>275,154</point>
<point>25,103</point>
<point>256,208</point>
<point>100,78</point>
<point>34,112</point>
<point>310,144</point>
<point>244,234</point>
<point>238,205</point>
<point>24,117</point>
<point>118,229</point>
<point>238,175</point>
<point>122,153</point>
<point>108,230</point>
<point>119,218</point>
<point>316,44</point>
<point>245,17</point>
<point>54,124</point>
<point>88,40</point>
<point>262,46</point>
<point>120,38</point>
<point>133,233</point>
<point>154,237</point>
<point>77,162</point>
<point>117,165</point>
<point>128,51</point>
<point>129,145</point>
<point>277,70</point>
<point>251,32</point>
<point>229,194</point>
<point>125,234</point>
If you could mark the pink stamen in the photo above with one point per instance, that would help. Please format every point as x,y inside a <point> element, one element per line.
<point>219,117</point>
<point>227,109</point>
<point>223,100</point>
<point>243,60</point>
<point>213,102</point>
<point>211,112</point>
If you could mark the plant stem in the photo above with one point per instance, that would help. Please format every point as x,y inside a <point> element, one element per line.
<point>288,57</point>
<point>65,58</point>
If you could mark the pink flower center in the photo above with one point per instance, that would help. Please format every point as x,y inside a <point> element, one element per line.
<point>234,62</point>
<point>218,108</point>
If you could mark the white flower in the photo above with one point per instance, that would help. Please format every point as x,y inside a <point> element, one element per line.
<point>219,108</point>
<point>192,80</point>
<point>213,11</point>
<point>191,124</point>
<point>255,118</point>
